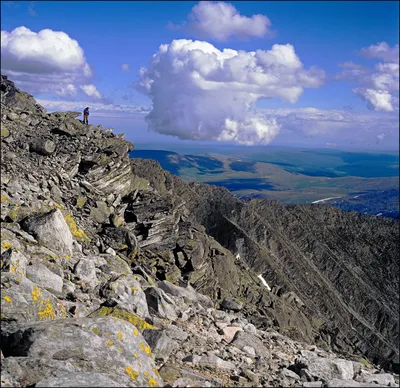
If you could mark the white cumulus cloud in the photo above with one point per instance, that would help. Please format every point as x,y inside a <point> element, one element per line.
<point>378,86</point>
<point>202,93</point>
<point>44,62</point>
<point>91,91</point>
<point>220,21</point>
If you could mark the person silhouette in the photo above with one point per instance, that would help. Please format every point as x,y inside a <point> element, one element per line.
<point>86,116</point>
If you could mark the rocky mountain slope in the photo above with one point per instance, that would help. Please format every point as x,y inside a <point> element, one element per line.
<point>117,273</point>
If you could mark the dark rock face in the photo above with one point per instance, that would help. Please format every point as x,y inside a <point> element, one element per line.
<point>97,248</point>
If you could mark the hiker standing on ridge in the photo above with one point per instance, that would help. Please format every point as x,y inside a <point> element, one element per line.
<point>86,116</point>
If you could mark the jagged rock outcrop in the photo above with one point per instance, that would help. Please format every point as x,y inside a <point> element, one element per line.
<point>116,273</point>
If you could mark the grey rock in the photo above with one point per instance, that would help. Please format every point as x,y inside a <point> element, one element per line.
<point>250,328</point>
<point>176,333</point>
<point>328,369</point>
<point>252,376</point>
<point>80,379</point>
<point>289,373</point>
<point>86,271</point>
<point>160,304</point>
<point>100,213</point>
<point>160,343</point>
<point>243,339</point>
<point>231,304</point>
<point>28,371</point>
<point>23,300</point>
<point>127,292</point>
<point>99,345</point>
<point>14,262</point>
<point>384,379</point>
<point>352,383</point>
<point>189,293</point>
<point>42,276</point>
<point>51,230</point>
<point>215,362</point>
<point>42,147</point>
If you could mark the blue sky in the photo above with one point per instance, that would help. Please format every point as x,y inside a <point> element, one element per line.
<point>351,106</point>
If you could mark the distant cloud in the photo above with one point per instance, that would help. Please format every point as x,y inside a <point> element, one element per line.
<point>67,91</point>
<point>378,86</point>
<point>125,67</point>
<point>202,93</point>
<point>382,51</point>
<point>335,126</point>
<point>91,91</point>
<point>44,62</point>
<point>220,21</point>
<point>98,109</point>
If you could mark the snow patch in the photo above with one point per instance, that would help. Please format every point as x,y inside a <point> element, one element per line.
<point>325,199</point>
<point>264,282</point>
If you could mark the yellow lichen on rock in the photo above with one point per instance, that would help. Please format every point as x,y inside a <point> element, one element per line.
<point>47,312</point>
<point>7,299</point>
<point>76,232</point>
<point>135,332</point>
<point>110,342</point>
<point>5,199</point>
<point>5,245</point>
<point>151,382</point>
<point>121,314</point>
<point>145,348</point>
<point>96,331</point>
<point>120,336</point>
<point>36,294</point>
<point>132,374</point>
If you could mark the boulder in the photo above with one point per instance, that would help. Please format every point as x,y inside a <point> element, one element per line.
<point>80,379</point>
<point>127,292</point>
<point>243,339</point>
<point>384,379</point>
<point>328,369</point>
<point>160,304</point>
<point>86,271</point>
<point>351,384</point>
<point>13,261</point>
<point>26,371</point>
<point>100,213</point>
<point>160,343</point>
<point>51,230</point>
<point>215,362</point>
<point>231,304</point>
<point>188,293</point>
<point>42,146</point>
<point>42,276</point>
<point>23,300</point>
<point>105,345</point>
<point>229,332</point>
